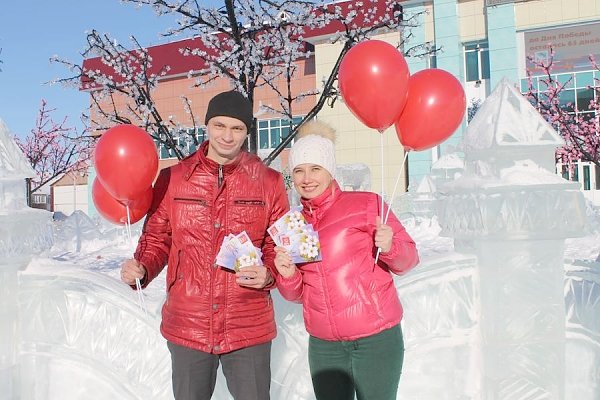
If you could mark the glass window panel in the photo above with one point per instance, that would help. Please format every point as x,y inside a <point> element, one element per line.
<point>586,177</point>
<point>565,172</point>
<point>597,174</point>
<point>584,98</point>
<point>274,123</point>
<point>544,96</point>
<point>543,85</point>
<point>587,116</point>
<point>262,124</point>
<point>567,100</point>
<point>164,153</point>
<point>472,66</point>
<point>584,79</point>
<point>575,176</point>
<point>485,64</point>
<point>433,61</point>
<point>285,133</point>
<point>566,80</point>
<point>263,138</point>
<point>275,137</point>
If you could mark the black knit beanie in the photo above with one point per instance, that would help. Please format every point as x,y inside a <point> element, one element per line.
<point>230,104</point>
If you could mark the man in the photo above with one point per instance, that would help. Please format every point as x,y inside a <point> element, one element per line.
<point>212,315</point>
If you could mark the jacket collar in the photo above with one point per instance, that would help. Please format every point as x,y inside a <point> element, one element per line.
<point>316,207</point>
<point>199,159</point>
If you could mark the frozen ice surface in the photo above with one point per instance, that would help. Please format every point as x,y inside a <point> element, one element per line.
<point>23,233</point>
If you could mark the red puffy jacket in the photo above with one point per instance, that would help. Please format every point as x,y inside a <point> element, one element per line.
<point>346,296</point>
<point>196,204</point>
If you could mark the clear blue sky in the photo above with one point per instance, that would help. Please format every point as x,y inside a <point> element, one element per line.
<point>31,32</point>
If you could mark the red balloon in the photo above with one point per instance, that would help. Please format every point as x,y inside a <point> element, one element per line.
<point>126,161</point>
<point>373,80</point>
<point>115,211</point>
<point>435,108</point>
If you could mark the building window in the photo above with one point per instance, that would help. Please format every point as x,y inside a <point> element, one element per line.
<point>477,61</point>
<point>272,131</point>
<point>430,57</point>
<point>586,177</point>
<point>576,96</point>
<point>565,172</point>
<point>185,140</point>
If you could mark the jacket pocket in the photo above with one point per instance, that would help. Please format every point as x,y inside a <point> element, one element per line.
<point>250,202</point>
<point>189,213</point>
<point>173,271</point>
<point>249,212</point>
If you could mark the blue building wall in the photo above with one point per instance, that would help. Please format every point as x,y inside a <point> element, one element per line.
<point>502,45</point>
<point>502,42</point>
<point>419,162</point>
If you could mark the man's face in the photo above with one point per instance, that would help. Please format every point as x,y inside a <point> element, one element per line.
<point>226,137</point>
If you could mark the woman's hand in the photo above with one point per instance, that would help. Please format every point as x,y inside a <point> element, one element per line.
<point>383,236</point>
<point>283,262</point>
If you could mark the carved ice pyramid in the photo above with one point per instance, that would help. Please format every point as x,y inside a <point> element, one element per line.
<point>506,118</point>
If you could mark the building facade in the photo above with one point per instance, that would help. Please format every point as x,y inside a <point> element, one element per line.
<point>484,41</point>
<point>480,42</point>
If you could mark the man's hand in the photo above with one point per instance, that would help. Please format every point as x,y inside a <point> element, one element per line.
<point>255,276</point>
<point>130,270</point>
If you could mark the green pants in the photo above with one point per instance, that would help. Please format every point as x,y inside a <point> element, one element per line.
<point>369,367</point>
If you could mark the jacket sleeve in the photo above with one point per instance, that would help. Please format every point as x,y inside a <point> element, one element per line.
<point>291,288</point>
<point>403,254</point>
<point>280,205</point>
<point>155,241</point>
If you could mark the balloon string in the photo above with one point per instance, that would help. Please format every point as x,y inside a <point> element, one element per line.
<point>128,224</point>
<point>382,185</point>
<point>138,284</point>
<point>141,301</point>
<point>387,214</point>
<point>382,171</point>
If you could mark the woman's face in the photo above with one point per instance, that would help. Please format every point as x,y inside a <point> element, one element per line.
<point>310,180</point>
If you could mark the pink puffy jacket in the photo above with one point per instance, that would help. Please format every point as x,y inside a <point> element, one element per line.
<point>346,296</point>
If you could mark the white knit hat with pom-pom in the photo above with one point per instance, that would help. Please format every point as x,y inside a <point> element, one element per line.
<point>314,145</point>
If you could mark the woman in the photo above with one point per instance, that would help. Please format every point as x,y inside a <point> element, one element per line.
<point>350,304</point>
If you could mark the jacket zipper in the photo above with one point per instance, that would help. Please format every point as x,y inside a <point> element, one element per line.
<point>220,175</point>
<point>203,202</point>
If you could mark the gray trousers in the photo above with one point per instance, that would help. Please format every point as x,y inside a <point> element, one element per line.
<point>247,372</point>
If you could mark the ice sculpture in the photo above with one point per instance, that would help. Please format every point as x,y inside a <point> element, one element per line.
<point>86,338</point>
<point>514,213</point>
<point>23,232</point>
